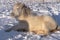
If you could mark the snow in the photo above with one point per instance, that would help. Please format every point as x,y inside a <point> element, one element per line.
<point>41,9</point>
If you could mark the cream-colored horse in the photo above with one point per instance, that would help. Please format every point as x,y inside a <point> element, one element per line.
<point>37,24</point>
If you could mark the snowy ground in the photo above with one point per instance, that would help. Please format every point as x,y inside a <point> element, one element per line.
<point>52,9</point>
